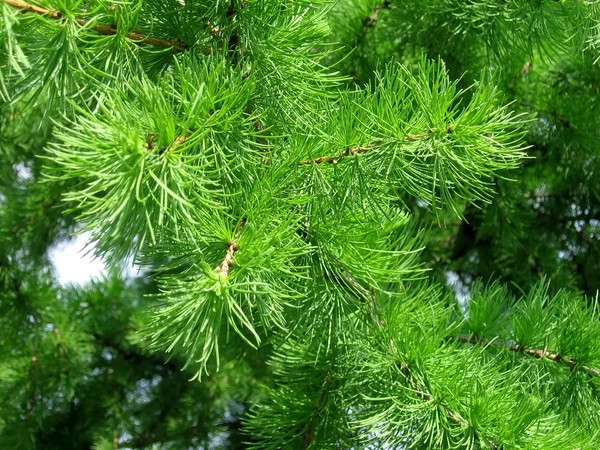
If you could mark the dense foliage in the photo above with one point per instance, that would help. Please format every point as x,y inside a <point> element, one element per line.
<point>358,224</point>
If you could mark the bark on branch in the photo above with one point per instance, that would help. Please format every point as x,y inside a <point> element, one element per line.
<point>353,151</point>
<point>365,24</point>
<point>232,247</point>
<point>225,266</point>
<point>106,30</point>
<point>335,158</point>
<point>536,353</point>
<point>368,22</point>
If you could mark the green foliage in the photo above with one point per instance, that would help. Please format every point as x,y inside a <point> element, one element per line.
<point>147,157</point>
<point>298,182</point>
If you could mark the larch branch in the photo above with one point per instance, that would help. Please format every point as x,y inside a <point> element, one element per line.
<point>225,266</point>
<point>353,151</point>
<point>232,248</point>
<point>420,390</point>
<point>536,353</point>
<point>100,28</point>
<point>335,158</point>
<point>368,22</point>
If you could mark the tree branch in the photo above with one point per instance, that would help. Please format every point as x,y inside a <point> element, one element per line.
<point>353,151</point>
<point>536,353</point>
<point>233,44</point>
<point>232,248</point>
<point>32,399</point>
<point>366,23</point>
<point>335,158</point>
<point>61,353</point>
<point>307,437</point>
<point>420,390</point>
<point>224,267</point>
<point>131,353</point>
<point>101,29</point>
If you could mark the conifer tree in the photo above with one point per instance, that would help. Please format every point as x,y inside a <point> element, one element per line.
<point>300,182</point>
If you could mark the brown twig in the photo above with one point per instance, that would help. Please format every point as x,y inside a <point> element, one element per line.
<point>536,353</point>
<point>26,7</point>
<point>106,30</point>
<point>366,23</point>
<point>213,30</point>
<point>179,140</point>
<point>232,247</point>
<point>370,21</point>
<point>353,151</point>
<point>233,43</point>
<point>335,158</point>
<point>225,266</point>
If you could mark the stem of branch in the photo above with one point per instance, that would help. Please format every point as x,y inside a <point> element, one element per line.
<point>335,158</point>
<point>224,267</point>
<point>234,39</point>
<point>353,151</point>
<point>101,29</point>
<point>232,248</point>
<point>536,353</point>
<point>307,437</point>
<point>370,21</point>
<point>366,23</point>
